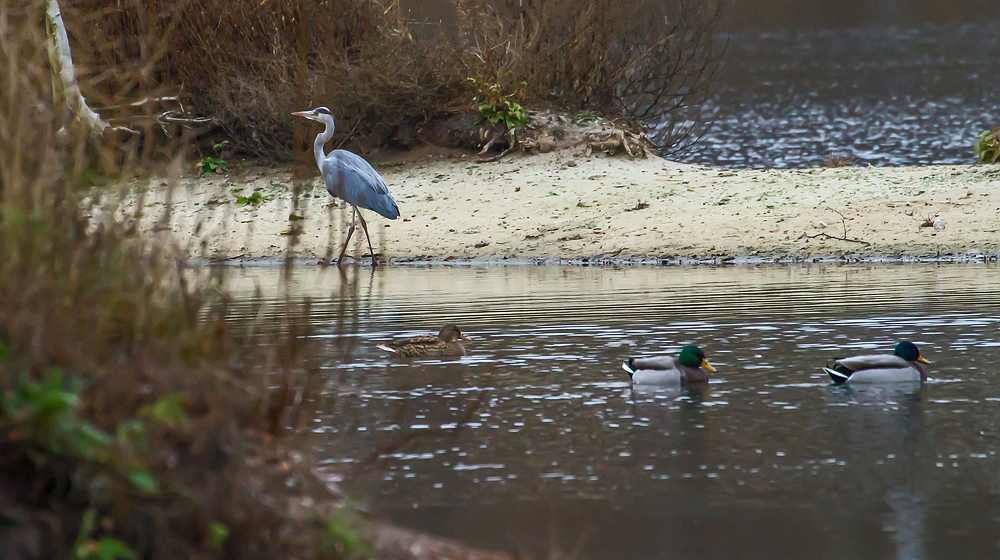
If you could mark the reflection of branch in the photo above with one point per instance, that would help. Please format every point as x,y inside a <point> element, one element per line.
<point>404,439</point>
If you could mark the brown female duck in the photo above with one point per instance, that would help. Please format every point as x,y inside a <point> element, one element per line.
<point>447,343</point>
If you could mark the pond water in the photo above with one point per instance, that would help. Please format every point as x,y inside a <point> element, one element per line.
<point>887,95</point>
<point>555,453</point>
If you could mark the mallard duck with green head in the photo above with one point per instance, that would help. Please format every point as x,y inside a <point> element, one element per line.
<point>447,343</point>
<point>902,365</point>
<point>686,369</point>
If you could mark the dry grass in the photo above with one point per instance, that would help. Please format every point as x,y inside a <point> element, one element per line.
<point>633,59</point>
<point>247,64</point>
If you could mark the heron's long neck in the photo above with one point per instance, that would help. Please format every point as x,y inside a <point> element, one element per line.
<point>321,140</point>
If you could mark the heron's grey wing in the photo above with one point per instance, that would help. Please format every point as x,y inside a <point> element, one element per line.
<point>657,362</point>
<point>885,361</point>
<point>349,177</point>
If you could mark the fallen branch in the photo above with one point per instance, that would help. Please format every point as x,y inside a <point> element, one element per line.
<point>843,220</point>
<point>492,159</point>
<point>828,236</point>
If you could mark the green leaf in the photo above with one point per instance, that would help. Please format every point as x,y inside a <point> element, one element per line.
<point>142,480</point>
<point>88,440</point>
<point>86,525</point>
<point>255,199</point>
<point>168,410</point>
<point>106,548</point>
<point>218,533</point>
<point>113,549</point>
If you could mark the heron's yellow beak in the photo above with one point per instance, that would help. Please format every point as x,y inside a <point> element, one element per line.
<point>706,365</point>
<point>923,360</point>
<point>305,114</point>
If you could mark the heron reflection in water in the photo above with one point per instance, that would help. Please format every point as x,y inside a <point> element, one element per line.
<point>350,178</point>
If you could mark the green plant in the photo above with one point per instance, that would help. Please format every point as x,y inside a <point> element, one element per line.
<point>218,533</point>
<point>344,533</point>
<point>987,146</point>
<point>255,199</point>
<point>46,414</point>
<point>104,548</point>
<point>511,114</point>
<point>211,164</point>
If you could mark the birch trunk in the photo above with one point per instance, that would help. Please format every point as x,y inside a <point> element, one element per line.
<point>64,87</point>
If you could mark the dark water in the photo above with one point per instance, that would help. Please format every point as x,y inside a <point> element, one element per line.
<point>769,461</point>
<point>797,97</point>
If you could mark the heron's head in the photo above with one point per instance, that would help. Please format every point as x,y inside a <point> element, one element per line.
<point>321,114</point>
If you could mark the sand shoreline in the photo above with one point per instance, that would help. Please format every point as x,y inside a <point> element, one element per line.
<point>565,207</point>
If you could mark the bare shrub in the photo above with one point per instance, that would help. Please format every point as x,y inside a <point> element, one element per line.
<point>629,58</point>
<point>247,64</point>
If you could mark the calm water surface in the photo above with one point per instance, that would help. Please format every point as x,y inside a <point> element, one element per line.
<point>887,95</point>
<point>769,461</point>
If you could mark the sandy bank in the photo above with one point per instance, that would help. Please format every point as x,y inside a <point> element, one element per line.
<point>567,205</point>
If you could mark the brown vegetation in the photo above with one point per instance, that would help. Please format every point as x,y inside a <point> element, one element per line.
<point>248,64</point>
<point>133,419</point>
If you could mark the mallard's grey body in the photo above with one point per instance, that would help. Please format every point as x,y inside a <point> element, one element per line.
<point>880,368</point>
<point>669,371</point>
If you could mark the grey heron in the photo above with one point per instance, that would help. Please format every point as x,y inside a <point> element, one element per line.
<point>350,178</point>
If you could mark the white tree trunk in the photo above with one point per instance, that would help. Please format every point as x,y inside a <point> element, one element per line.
<point>64,86</point>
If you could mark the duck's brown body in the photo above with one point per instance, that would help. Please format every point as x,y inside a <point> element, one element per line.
<point>448,343</point>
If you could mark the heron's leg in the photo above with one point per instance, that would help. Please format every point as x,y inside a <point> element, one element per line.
<point>364,226</point>
<point>350,232</point>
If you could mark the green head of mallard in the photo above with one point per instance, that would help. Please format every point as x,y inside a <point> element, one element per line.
<point>693,357</point>
<point>450,333</point>
<point>908,351</point>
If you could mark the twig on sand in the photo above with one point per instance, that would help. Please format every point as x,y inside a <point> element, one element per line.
<point>929,220</point>
<point>843,221</point>
<point>828,236</point>
<point>491,159</point>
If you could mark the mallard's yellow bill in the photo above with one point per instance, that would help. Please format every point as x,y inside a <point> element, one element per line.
<point>706,365</point>
<point>923,360</point>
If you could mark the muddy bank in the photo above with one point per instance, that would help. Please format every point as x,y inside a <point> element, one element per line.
<point>567,205</point>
